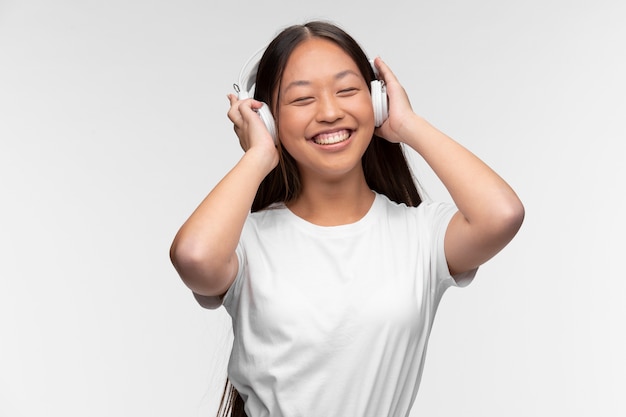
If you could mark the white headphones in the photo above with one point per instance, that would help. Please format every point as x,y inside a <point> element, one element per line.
<point>247,80</point>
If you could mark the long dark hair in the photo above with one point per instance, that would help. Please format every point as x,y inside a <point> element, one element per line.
<point>231,404</point>
<point>384,164</point>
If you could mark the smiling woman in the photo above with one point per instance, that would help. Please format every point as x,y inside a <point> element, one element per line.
<point>385,167</point>
<point>319,245</point>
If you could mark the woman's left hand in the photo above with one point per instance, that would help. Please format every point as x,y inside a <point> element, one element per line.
<point>400,110</point>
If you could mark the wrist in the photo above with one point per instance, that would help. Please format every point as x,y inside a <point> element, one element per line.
<point>261,160</point>
<point>415,130</point>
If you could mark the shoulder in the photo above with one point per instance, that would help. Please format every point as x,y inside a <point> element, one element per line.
<point>427,211</point>
<point>265,225</point>
<point>268,218</point>
<point>273,211</point>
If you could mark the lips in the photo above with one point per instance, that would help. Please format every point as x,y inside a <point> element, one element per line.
<point>331,138</point>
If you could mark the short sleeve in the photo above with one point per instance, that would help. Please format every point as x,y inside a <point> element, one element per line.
<point>231,298</point>
<point>216,301</point>
<point>439,216</point>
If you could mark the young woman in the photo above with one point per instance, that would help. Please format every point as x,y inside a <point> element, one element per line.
<point>320,247</point>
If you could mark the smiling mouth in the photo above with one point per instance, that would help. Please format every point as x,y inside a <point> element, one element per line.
<point>331,138</point>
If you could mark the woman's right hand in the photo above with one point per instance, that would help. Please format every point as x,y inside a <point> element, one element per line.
<point>250,129</point>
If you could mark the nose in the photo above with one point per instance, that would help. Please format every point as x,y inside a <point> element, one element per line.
<point>329,109</point>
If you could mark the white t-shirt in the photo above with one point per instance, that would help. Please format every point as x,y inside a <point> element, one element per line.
<point>334,321</point>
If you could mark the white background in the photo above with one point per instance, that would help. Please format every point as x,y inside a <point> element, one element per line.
<point>113,127</point>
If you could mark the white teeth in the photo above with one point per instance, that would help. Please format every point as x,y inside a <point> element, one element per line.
<point>332,138</point>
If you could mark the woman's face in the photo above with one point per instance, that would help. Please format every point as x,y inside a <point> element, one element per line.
<point>326,119</point>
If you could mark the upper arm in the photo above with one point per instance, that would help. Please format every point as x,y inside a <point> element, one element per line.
<point>467,246</point>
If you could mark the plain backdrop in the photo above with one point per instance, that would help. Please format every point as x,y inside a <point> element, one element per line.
<point>113,128</point>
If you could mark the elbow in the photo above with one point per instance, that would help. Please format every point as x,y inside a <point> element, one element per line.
<point>197,267</point>
<point>510,218</point>
<point>178,257</point>
<point>185,259</point>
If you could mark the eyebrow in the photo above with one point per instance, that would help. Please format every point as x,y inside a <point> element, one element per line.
<point>338,76</point>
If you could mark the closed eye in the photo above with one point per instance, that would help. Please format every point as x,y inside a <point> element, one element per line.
<point>302,100</point>
<point>347,91</point>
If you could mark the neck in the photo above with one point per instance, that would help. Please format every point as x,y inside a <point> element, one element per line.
<point>333,202</point>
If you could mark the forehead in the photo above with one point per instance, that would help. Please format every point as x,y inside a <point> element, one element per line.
<point>315,58</point>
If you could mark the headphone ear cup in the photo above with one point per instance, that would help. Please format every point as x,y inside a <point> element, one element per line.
<point>379,102</point>
<point>268,119</point>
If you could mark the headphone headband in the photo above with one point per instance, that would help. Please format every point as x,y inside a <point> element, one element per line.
<point>247,75</point>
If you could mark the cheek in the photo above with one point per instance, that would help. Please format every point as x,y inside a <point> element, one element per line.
<point>366,109</point>
<point>292,124</point>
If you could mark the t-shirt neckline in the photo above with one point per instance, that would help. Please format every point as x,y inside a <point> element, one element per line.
<point>359,224</point>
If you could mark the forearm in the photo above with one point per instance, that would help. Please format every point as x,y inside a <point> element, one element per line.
<point>203,251</point>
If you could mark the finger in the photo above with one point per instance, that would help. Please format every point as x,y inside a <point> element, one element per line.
<point>249,109</point>
<point>234,113</point>
<point>384,70</point>
<point>243,115</point>
<point>255,104</point>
